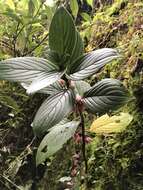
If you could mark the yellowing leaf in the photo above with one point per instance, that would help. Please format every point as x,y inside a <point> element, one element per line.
<point>113,124</point>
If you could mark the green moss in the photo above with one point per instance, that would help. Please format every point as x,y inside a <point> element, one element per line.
<point>116,161</point>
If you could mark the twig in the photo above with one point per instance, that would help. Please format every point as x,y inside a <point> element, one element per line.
<point>83,140</point>
<point>29,30</point>
<point>14,41</point>
<point>31,142</point>
<point>29,52</point>
<point>7,179</point>
<point>5,184</point>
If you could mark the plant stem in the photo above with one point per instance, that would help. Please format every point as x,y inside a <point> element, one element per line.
<point>83,140</point>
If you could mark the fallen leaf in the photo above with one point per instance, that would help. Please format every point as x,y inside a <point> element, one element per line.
<point>114,124</point>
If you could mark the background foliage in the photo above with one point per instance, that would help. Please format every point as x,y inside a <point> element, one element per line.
<point>115,162</point>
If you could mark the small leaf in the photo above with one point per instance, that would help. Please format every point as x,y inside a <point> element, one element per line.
<point>74,7</point>
<point>10,13</point>
<point>9,102</point>
<point>53,110</point>
<point>108,94</point>
<point>91,63</point>
<point>81,87</point>
<point>62,33</point>
<point>113,124</point>
<point>31,7</point>
<point>86,17</point>
<point>41,72</point>
<point>90,2</point>
<point>55,139</point>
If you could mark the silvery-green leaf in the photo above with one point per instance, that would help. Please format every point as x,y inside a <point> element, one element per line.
<point>55,139</point>
<point>24,69</point>
<point>43,81</point>
<point>91,63</point>
<point>53,110</point>
<point>49,90</point>
<point>108,94</point>
<point>81,87</point>
<point>64,121</point>
<point>62,32</point>
<point>41,72</point>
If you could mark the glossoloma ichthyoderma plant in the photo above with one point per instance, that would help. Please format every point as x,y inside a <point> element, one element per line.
<point>60,76</point>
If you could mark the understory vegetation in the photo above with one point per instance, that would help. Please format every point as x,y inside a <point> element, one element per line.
<point>115,160</point>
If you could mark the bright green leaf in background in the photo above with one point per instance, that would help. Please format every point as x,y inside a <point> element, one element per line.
<point>74,7</point>
<point>90,2</point>
<point>86,17</point>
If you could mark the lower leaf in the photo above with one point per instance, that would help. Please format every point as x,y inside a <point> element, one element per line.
<point>55,139</point>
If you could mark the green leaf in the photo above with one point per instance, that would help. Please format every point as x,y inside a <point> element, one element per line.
<point>74,7</point>
<point>38,71</point>
<point>86,17</point>
<point>31,7</point>
<point>9,102</point>
<point>90,2</point>
<point>91,63</point>
<point>10,13</point>
<point>62,33</point>
<point>53,110</point>
<point>108,94</point>
<point>81,87</point>
<point>78,48</point>
<point>55,139</point>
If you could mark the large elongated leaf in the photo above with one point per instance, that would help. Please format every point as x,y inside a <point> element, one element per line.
<point>53,110</point>
<point>78,48</point>
<point>62,32</point>
<point>91,63</point>
<point>39,71</point>
<point>108,94</point>
<point>55,139</point>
